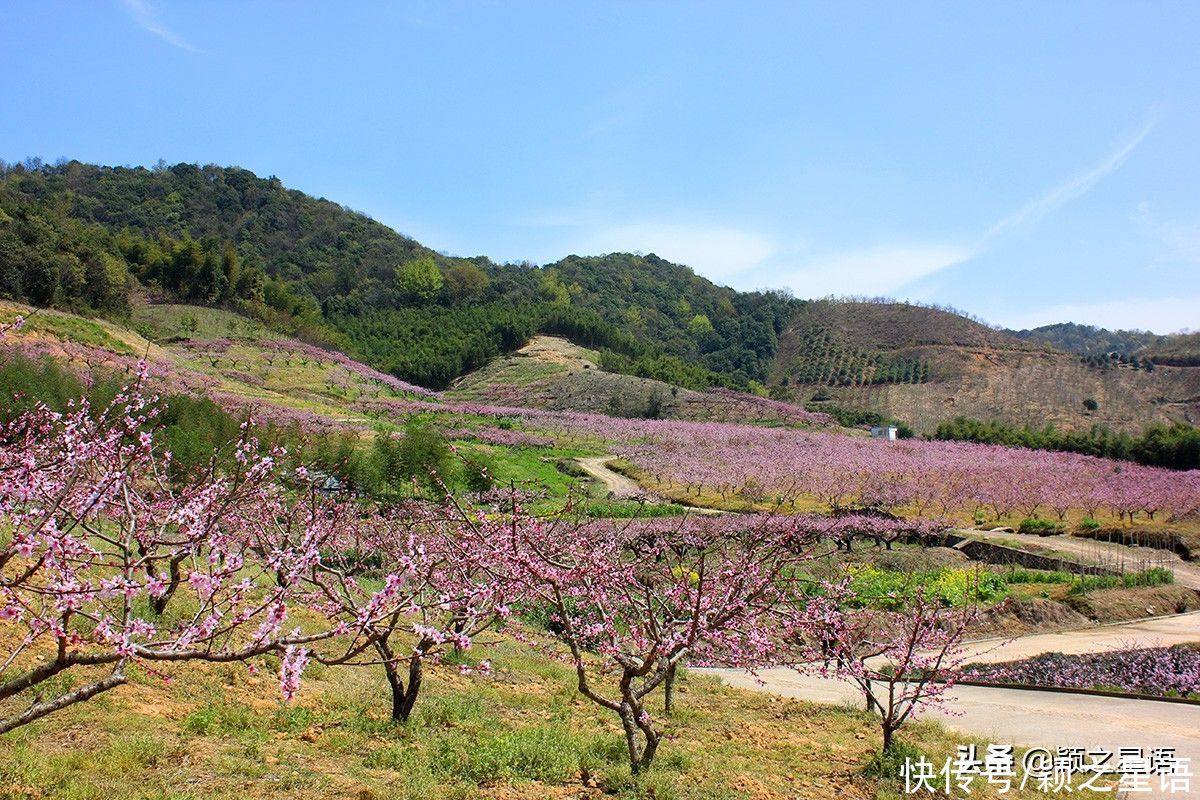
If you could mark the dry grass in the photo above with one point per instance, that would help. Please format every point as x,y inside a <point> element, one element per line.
<point>524,733</point>
<point>985,374</point>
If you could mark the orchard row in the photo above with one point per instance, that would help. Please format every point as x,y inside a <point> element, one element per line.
<point>107,564</point>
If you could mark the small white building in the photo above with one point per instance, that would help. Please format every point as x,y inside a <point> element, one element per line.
<point>884,432</point>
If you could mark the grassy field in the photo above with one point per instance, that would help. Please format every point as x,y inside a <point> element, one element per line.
<point>219,732</point>
<point>168,321</point>
<point>67,327</point>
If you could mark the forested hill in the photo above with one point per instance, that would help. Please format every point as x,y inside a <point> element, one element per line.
<point>1179,349</point>
<point>88,238</point>
<point>94,239</point>
<point>1088,340</point>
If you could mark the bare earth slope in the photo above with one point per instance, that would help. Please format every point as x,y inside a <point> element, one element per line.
<point>551,372</point>
<point>926,366</point>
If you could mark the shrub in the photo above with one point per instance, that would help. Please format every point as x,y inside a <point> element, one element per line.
<point>477,476</point>
<point>1155,576</point>
<point>1089,524</point>
<point>1040,527</point>
<point>1037,576</point>
<point>886,765</point>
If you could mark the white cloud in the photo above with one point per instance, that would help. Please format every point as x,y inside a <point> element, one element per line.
<point>885,269</point>
<point>1158,314</point>
<point>726,252</point>
<point>716,252</point>
<point>146,18</point>
<point>874,271</point>
<point>1046,204</point>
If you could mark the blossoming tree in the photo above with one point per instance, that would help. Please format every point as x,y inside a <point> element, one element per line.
<point>97,539</point>
<point>631,604</point>
<point>902,661</point>
<point>390,582</point>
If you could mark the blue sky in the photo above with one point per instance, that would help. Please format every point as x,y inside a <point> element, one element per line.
<point>1029,162</point>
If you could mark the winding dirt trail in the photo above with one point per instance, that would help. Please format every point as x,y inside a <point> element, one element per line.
<point>623,486</point>
<point>616,483</point>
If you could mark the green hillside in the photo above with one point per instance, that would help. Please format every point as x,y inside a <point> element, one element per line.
<point>108,240</point>
<point>1088,340</point>
<point>84,237</point>
<point>1176,349</point>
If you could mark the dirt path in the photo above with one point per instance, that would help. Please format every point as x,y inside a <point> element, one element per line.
<point>1187,573</point>
<point>623,486</point>
<point>616,483</point>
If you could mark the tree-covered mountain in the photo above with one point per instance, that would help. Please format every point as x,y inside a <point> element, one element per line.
<point>90,238</point>
<point>85,237</point>
<point>1174,349</point>
<point>1088,340</point>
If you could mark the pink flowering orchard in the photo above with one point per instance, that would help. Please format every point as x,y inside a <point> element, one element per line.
<point>632,602</point>
<point>98,542</point>
<point>109,565</point>
<point>902,661</point>
<point>376,576</point>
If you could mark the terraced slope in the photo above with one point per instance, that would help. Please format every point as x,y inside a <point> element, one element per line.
<point>926,366</point>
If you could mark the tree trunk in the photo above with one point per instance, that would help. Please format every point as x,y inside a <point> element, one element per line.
<point>404,697</point>
<point>641,739</point>
<point>159,604</point>
<point>415,671</point>
<point>871,704</point>
<point>648,752</point>
<point>631,739</point>
<point>669,690</point>
<point>888,733</point>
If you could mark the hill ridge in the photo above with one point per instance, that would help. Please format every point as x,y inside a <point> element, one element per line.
<point>85,237</point>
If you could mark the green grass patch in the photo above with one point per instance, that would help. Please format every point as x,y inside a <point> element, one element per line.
<point>1040,527</point>
<point>893,589</point>
<point>171,321</point>
<point>1081,584</point>
<point>1018,575</point>
<point>69,328</point>
<point>1155,576</point>
<point>519,465</point>
<point>630,509</point>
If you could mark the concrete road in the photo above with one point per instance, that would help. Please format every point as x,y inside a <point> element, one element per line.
<point>1160,631</point>
<point>1029,718</point>
<point>1034,718</point>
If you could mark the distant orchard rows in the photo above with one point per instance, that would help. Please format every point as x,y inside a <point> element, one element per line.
<point>771,465</point>
<point>780,465</point>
